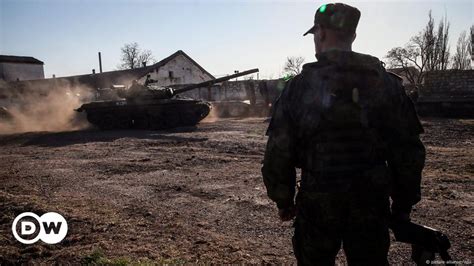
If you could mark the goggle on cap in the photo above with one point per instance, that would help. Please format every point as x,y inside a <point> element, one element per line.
<point>336,16</point>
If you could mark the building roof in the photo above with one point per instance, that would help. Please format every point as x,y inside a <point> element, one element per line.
<point>104,79</point>
<point>142,71</point>
<point>20,59</point>
<point>401,70</point>
<point>180,52</point>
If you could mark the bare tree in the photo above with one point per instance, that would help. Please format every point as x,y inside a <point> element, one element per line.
<point>436,42</point>
<point>293,65</point>
<point>428,37</point>
<point>134,57</point>
<point>441,46</point>
<point>413,55</point>
<point>462,57</point>
<point>426,51</point>
<point>472,43</point>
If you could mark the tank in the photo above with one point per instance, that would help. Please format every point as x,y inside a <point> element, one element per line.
<point>146,107</point>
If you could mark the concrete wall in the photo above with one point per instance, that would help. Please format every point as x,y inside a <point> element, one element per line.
<point>234,91</point>
<point>21,71</point>
<point>253,91</point>
<point>448,83</point>
<point>448,93</point>
<point>179,70</point>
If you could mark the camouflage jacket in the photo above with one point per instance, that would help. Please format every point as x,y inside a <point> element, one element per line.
<point>345,121</point>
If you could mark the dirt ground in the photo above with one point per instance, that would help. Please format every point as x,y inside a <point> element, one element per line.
<point>193,195</point>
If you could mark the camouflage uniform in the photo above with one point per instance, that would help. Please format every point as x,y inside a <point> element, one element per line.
<point>353,131</point>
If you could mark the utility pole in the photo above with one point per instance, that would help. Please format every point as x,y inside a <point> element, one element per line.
<point>100,63</point>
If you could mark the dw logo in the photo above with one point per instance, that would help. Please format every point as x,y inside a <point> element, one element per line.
<point>50,228</point>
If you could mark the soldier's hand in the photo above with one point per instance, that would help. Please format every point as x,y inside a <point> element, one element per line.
<point>287,214</point>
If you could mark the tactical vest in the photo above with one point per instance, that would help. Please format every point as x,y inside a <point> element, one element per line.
<point>345,149</point>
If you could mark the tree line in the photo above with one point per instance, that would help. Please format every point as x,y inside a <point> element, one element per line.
<point>428,50</point>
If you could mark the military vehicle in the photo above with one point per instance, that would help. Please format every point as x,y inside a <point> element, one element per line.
<point>146,107</point>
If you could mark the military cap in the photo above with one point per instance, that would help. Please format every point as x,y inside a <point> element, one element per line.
<point>336,16</point>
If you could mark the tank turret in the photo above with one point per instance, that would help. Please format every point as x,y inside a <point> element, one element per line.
<point>138,92</point>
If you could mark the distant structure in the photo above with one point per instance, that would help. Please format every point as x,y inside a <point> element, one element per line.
<point>176,69</point>
<point>447,93</point>
<point>19,68</point>
<point>404,75</point>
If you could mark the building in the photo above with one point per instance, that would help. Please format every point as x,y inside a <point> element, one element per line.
<point>18,68</point>
<point>405,74</point>
<point>176,69</point>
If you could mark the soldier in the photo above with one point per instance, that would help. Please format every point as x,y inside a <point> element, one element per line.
<point>353,131</point>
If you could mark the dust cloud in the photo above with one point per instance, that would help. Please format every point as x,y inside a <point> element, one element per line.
<point>213,115</point>
<point>44,110</point>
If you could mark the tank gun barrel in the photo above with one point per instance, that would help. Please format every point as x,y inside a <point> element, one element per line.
<point>213,81</point>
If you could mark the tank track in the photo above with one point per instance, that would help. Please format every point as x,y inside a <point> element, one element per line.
<point>154,117</point>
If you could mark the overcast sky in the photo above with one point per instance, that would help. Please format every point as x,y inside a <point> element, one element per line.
<point>222,36</point>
